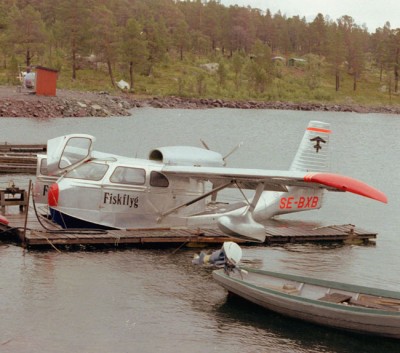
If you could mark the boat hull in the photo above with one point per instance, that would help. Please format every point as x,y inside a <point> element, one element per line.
<point>70,222</point>
<point>291,303</point>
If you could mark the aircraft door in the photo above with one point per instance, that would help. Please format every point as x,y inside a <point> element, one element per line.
<point>43,180</point>
<point>67,152</point>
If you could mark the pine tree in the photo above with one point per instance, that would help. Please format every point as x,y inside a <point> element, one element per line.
<point>336,52</point>
<point>133,48</point>
<point>26,32</point>
<point>73,23</point>
<point>104,38</point>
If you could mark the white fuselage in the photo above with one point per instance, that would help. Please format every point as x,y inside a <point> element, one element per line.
<point>183,186</point>
<point>101,192</point>
<point>110,200</point>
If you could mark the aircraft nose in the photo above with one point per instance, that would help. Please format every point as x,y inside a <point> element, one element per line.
<point>3,220</point>
<point>53,195</point>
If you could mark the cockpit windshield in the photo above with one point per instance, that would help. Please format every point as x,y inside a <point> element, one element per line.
<point>88,171</point>
<point>76,150</point>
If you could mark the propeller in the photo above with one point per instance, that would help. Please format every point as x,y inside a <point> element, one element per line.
<point>204,144</point>
<point>233,150</point>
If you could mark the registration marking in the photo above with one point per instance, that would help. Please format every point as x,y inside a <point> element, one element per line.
<point>302,202</point>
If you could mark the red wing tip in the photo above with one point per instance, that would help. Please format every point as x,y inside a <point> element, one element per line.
<point>345,183</point>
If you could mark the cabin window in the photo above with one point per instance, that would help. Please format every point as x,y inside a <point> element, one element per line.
<point>43,167</point>
<point>159,180</point>
<point>129,176</point>
<point>88,171</point>
<point>75,151</point>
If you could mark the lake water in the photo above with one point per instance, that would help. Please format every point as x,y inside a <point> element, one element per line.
<point>136,300</point>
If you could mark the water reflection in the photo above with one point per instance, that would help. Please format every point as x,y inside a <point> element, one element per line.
<point>237,317</point>
<point>39,270</point>
<point>156,300</point>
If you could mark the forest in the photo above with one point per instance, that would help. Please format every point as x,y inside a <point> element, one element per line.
<point>199,49</point>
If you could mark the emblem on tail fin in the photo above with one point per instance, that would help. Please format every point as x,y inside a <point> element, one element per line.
<point>318,140</point>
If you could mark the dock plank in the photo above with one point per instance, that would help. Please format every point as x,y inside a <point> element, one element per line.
<point>305,232</point>
<point>7,147</point>
<point>19,158</point>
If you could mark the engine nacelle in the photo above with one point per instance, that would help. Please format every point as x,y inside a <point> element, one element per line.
<point>187,156</point>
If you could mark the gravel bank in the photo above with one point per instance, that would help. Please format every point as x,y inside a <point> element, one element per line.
<point>80,104</point>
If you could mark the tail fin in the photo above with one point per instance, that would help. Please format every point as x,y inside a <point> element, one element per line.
<point>312,156</point>
<point>313,152</point>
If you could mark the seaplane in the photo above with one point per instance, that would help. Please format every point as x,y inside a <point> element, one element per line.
<point>184,186</point>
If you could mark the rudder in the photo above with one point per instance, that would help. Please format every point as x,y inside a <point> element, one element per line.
<point>313,152</point>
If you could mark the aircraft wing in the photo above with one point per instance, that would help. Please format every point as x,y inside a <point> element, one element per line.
<point>276,180</point>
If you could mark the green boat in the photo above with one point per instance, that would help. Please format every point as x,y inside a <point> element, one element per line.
<point>338,305</point>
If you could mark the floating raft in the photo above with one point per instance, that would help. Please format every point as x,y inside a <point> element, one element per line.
<point>19,158</point>
<point>41,232</point>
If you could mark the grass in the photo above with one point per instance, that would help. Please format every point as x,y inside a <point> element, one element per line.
<point>186,78</point>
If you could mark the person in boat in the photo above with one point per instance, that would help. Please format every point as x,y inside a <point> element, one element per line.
<point>229,254</point>
<point>216,258</point>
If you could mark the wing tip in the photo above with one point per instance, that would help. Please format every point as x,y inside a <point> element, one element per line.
<point>345,183</point>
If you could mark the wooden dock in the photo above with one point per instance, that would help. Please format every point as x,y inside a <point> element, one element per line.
<point>20,158</point>
<point>42,233</point>
<point>349,233</point>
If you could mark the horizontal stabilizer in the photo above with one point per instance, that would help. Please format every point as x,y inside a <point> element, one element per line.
<point>345,183</point>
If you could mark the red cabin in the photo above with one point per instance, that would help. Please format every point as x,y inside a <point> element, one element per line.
<point>46,81</point>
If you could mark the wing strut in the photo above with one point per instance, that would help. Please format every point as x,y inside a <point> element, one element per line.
<point>256,198</point>
<point>172,210</point>
<point>244,226</point>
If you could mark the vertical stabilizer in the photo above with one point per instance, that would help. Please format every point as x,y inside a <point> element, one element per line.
<point>313,152</point>
<point>312,156</point>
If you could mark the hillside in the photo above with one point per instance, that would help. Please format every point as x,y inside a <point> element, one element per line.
<point>201,50</point>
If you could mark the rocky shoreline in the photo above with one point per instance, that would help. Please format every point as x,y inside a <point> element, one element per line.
<point>83,104</point>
